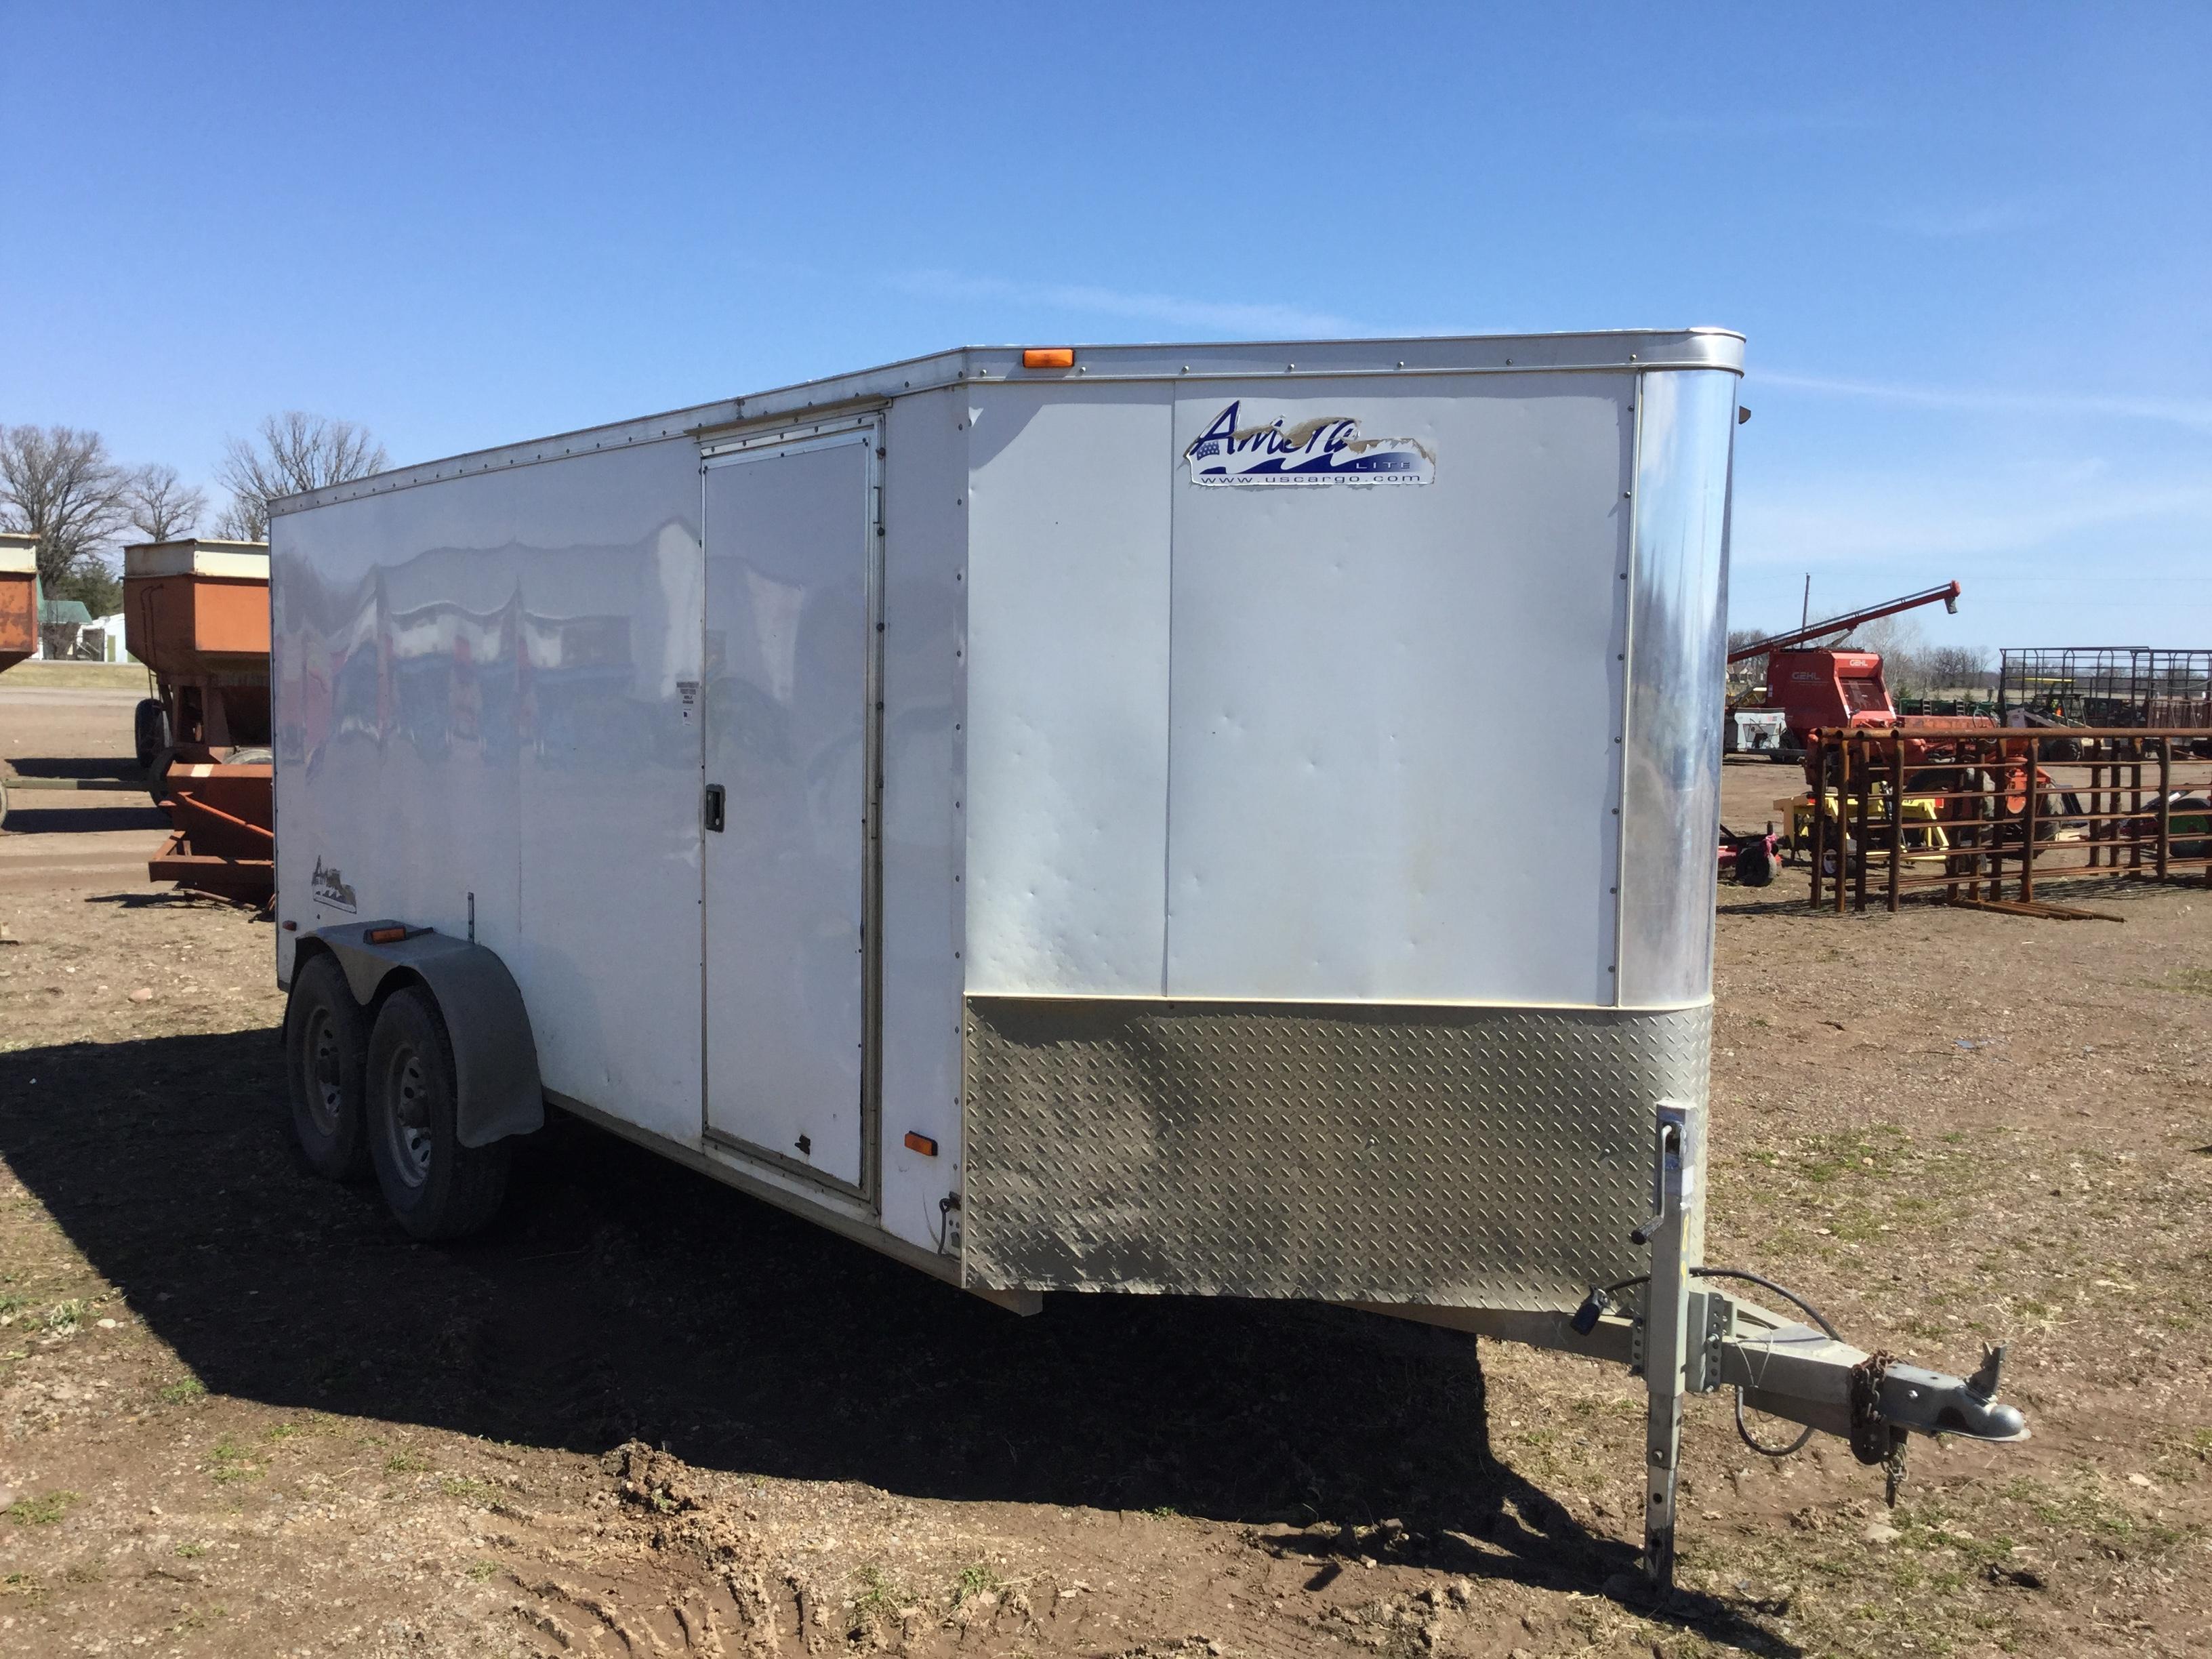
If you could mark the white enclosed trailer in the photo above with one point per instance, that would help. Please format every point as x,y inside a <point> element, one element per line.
<point>1073,821</point>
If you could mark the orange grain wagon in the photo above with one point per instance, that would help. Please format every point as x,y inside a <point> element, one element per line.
<point>19,597</point>
<point>197,616</point>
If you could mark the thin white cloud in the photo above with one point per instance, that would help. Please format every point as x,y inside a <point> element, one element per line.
<point>2194,413</point>
<point>1235,317</point>
<point>1756,123</point>
<point>1841,518</point>
<point>1986,219</point>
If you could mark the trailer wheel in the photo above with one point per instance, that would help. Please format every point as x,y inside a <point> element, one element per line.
<point>437,1188</point>
<point>157,775</point>
<point>325,1044</point>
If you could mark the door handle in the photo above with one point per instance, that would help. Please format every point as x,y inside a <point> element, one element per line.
<point>714,807</point>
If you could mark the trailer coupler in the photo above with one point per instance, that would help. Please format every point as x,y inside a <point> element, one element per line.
<point>1789,1369</point>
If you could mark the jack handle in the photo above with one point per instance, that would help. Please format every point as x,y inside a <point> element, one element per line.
<point>1667,1140</point>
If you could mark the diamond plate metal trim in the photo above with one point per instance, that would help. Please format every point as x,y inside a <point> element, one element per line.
<point>1480,1157</point>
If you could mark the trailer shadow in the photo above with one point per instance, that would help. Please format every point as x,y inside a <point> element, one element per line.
<point>624,1297</point>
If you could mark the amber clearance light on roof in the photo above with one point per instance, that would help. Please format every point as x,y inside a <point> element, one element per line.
<point>1049,358</point>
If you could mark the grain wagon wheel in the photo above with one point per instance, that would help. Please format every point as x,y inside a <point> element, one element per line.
<point>149,729</point>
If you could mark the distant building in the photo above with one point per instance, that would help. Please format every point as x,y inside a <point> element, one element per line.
<point>68,632</point>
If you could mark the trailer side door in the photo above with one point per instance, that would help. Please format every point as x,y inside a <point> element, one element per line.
<point>790,777</point>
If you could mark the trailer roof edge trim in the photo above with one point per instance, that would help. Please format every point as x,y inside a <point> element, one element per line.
<point>1603,350</point>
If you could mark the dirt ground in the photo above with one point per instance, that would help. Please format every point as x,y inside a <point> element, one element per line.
<point>241,1413</point>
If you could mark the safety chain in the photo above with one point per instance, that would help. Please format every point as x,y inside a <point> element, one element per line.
<point>1869,1432</point>
<point>1873,1439</point>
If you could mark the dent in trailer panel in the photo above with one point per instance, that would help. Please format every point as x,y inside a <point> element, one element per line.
<point>486,687</point>
<point>1357,670</point>
<point>1067,689</point>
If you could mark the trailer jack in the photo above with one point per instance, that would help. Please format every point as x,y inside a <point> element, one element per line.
<point>1779,1366</point>
<point>1692,1337</point>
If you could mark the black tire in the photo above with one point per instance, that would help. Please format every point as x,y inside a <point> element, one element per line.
<point>1754,865</point>
<point>326,1053</point>
<point>252,754</point>
<point>157,775</point>
<point>436,1187</point>
<point>149,729</point>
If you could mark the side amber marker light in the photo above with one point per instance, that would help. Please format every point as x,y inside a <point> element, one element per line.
<point>920,1143</point>
<point>1049,358</point>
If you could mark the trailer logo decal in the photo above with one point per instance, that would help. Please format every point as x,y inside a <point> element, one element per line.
<point>330,886</point>
<point>1327,450</point>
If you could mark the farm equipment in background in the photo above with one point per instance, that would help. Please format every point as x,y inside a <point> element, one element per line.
<point>199,620</point>
<point>1816,687</point>
<point>1749,859</point>
<point>1813,688</point>
<point>19,597</point>
<point>2113,686</point>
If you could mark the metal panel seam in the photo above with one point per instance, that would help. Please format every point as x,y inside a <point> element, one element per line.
<point>1167,773</point>
<point>1628,588</point>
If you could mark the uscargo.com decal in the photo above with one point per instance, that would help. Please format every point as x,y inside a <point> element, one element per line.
<point>1327,450</point>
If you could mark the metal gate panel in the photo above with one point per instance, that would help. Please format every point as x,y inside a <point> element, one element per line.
<point>1466,1157</point>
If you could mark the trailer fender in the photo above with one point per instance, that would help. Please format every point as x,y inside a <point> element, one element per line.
<point>497,1089</point>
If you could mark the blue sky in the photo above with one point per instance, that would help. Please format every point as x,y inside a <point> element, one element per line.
<point>1971,245</point>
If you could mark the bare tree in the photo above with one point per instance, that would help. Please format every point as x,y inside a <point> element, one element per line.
<point>294,451</point>
<point>1903,649</point>
<point>1753,669</point>
<point>162,509</point>
<point>59,484</point>
<point>1959,668</point>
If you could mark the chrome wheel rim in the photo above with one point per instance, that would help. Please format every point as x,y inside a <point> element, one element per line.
<point>407,1121</point>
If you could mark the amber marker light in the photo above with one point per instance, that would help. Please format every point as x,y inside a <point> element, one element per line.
<point>920,1143</point>
<point>386,935</point>
<point>1049,358</point>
